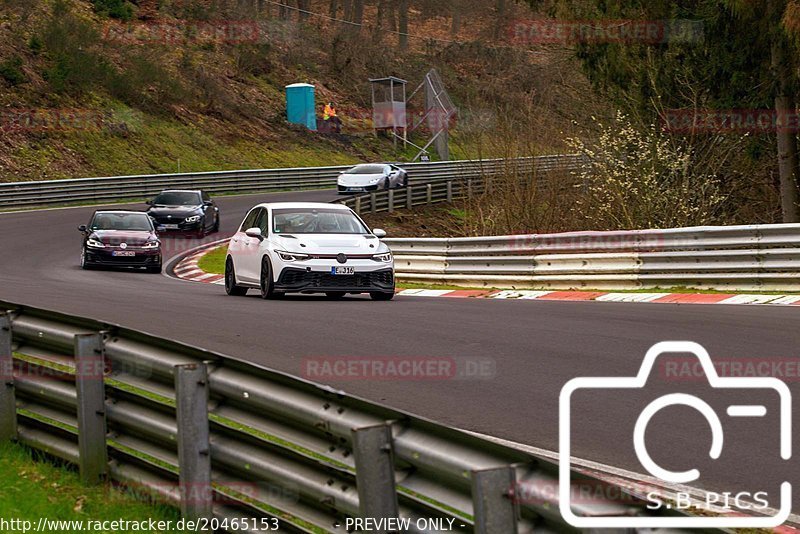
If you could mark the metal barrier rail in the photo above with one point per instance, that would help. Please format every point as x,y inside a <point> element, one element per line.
<point>464,184</point>
<point>52,192</point>
<point>752,257</point>
<point>176,421</point>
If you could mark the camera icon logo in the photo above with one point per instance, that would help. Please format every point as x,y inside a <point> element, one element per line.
<point>640,448</point>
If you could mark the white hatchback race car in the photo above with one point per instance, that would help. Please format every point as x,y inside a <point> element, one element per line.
<point>292,247</point>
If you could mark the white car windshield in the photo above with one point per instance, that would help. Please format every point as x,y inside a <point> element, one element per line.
<point>316,221</point>
<point>367,169</point>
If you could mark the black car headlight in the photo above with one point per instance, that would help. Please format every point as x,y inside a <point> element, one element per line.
<point>193,218</point>
<point>94,243</point>
<point>151,245</point>
<point>291,256</point>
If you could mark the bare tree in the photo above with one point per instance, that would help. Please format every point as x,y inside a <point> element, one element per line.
<point>348,10</point>
<point>358,13</point>
<point>402,19</point>
<point>500,11</point>
<point>381,15</point>
<point>334,10</point>
<point>284,10</point>
<point>304,6</point>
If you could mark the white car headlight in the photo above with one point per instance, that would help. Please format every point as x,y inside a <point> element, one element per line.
<point>386,257</point>
<point>193,218</point>
<point>291,256</point>
<point>94,243</point>
<point>152,244</point>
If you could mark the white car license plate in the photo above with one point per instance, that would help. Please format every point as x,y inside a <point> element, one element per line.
<point>355,188</point>
<point>120,253</point>
<point>168,227</point>
<point>343,270</point>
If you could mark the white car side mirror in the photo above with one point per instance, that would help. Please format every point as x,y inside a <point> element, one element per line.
<point>377,232</point>
<point>254,232</point>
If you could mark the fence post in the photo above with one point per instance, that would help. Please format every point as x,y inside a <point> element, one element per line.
<point>449,191</point>
<point>8,401</point>
<point>494,502</point>
<point>469,188</point>
<point>429,193</point>
<point>194,457</point>
<point>373,204</point>
<point>391,200</point>
<point>358,205</point>
<point>409,198</point>
<point>374,459</point>
<point>91,395</point>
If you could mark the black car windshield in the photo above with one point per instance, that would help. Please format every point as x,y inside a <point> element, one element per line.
<point>367,169</point>
<point>178,198</point>
<point>122,221</point>
<point>316,221</point>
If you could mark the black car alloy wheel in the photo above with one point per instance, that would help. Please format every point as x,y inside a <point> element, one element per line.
<point>230,281</point>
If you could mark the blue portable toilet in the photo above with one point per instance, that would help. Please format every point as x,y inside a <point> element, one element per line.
<point>300,108</point>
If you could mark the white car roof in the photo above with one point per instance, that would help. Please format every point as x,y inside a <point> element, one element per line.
<point>301,205</point>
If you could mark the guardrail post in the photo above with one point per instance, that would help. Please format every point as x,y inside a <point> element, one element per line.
<point>391,200</point>
<point>409,198</point>
<point>358,205</point>
<point>429,193</point>
<point>469,188</point>
<point>8,401</point>
<point>449,191</point>
<point>495,506</point>
<point>91,395</point>
<point>373,204</point>
<point>374,458</point>
<point>194,456</point>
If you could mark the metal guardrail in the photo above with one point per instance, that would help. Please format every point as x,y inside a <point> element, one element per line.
<point>471,180</point>
<point>115,188</point>
<point>752,257</point>
<point>176,421</point>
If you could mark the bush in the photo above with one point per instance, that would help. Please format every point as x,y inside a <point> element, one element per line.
<point>11,70</point>
<point>115,9</point>
<point>643,178</point>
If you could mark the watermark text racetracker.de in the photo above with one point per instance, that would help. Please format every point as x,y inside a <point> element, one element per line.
<point>44,524</point>
<point>397,368</point>
<point>729,121</point>
<point>630,31</point>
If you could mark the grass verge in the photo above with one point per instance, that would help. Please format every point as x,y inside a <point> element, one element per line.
<point>34,489</point>
<point>214,261</point>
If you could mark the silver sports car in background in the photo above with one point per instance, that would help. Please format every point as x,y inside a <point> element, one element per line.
<point>371,177</point>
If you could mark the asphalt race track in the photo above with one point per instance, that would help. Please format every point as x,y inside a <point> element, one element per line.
<point>534,346</point>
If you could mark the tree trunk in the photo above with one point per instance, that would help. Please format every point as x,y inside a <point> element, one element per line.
<point>358,14</point>
<point>334,11</point>
<point>381,15</point>
<point>304,7</point>
<point>456,27</point>
<point>788,168</point>
<point>402,20</point>
<point>392,16</point>
<point>501,18</point>
<point>284,10</point>
<point>348,10</point>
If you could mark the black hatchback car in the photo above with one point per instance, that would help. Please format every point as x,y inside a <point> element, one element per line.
<point>118,238</point>
<point>185,212</point>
